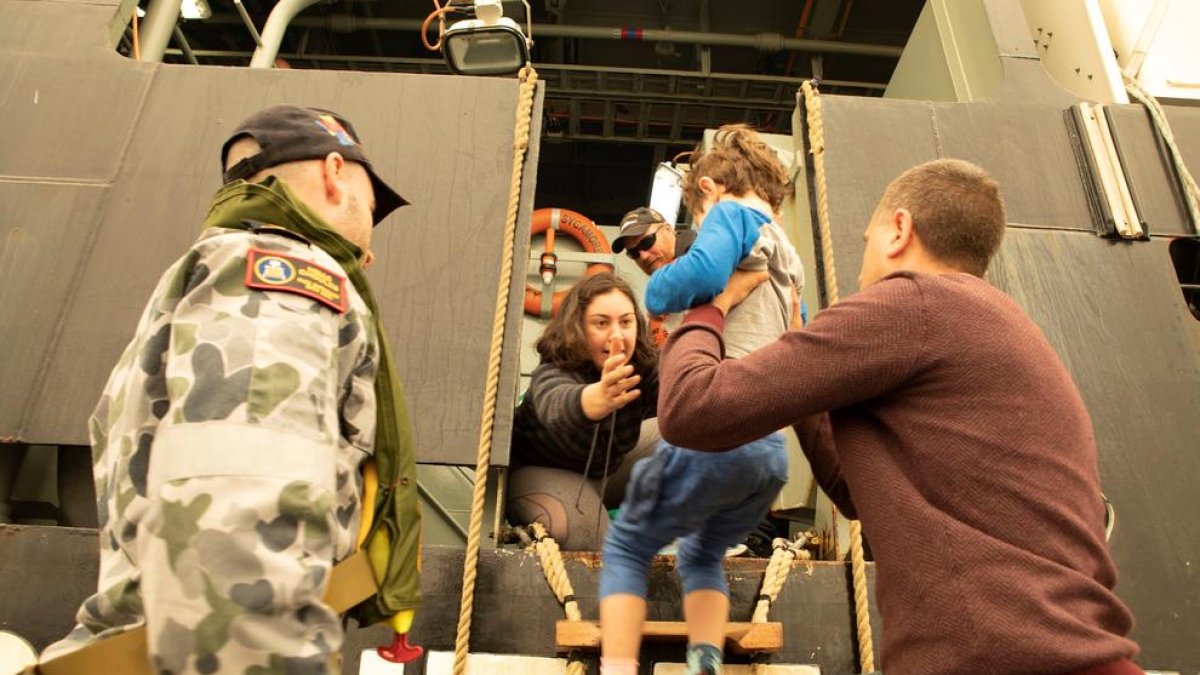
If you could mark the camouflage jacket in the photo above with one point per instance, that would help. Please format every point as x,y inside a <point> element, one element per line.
<point>258,408</point>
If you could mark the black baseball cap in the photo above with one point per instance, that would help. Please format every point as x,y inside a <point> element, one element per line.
<point>635,224</point>
<point>288,133</point>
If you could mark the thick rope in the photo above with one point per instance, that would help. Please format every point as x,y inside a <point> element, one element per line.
<point>862,607</point>
<point>816,139</point>
<point>774,578</point>
<point>1191,193</point>
<point>858,567</point>
<point>525,98</point>
<point>777,573</point>
<point>556,575</point>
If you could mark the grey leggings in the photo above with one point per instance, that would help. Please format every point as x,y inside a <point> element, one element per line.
<point>569,505</point>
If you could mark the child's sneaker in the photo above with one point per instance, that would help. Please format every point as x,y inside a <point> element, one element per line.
<point>704,659</point>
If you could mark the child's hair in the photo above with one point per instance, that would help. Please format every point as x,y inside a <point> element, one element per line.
<point>564,341</point>
<point>741,163</point>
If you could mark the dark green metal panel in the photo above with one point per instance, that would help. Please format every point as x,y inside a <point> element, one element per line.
<point>863,152</point>
<point>107,169</point>
<point>32,256</point>
<point>1028,149</point>
<point>1155,185</point>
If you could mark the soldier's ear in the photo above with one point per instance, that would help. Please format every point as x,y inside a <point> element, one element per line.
<point>333,177</point>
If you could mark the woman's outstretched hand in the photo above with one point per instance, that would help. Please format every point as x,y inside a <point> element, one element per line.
<point>616,386</point>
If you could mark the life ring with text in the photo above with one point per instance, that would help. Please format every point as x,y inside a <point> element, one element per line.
<point>578,227</point>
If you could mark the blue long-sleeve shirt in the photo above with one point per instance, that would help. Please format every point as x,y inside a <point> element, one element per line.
<point>734,236</point>
<point>729,233</point>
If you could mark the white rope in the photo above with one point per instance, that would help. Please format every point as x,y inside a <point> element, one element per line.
<point>1191,193</point>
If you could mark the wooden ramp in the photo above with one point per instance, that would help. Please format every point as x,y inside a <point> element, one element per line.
<point>773,669</point>
<point>740,638</point>
<point>442,663</point>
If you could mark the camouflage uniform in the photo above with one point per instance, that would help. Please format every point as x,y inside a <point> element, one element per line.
<point>258,408</point>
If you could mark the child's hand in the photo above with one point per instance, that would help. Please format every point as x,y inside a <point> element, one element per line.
<point>797,322</point>
<point>741,284</point>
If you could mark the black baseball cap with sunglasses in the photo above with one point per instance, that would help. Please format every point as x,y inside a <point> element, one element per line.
<point>636,224</point>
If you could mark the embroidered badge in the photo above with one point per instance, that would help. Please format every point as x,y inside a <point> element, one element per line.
<point>335,129</point>
<point>270,271</point>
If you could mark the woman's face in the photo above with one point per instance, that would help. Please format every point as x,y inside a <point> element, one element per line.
<point>610,315</point>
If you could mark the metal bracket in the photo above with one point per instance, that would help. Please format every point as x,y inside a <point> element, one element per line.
<point>1113,196</point>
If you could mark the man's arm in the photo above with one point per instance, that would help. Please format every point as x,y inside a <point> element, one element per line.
<point>856,350</point>
<point>816,439</point>
<point>728,235</point>
<point>240,536</point>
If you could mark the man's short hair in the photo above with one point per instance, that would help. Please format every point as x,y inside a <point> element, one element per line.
<point>957,211</point>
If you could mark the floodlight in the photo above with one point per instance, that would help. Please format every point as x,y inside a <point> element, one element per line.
<point>195,9</point>
<point>490,44</point>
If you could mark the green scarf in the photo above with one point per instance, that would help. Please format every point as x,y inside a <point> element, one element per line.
<point>397,512</point>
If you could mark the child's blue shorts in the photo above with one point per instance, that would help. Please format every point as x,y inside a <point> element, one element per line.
<point>710,500</point>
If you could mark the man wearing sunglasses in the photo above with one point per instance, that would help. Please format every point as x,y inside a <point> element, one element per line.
<point>649,240</point>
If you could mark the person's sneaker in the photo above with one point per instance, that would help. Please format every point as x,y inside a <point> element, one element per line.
<point>731,552</point>
<point>704,659</point>
<point>735,551</point>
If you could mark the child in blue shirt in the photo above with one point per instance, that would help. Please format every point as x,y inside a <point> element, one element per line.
<point>710,501</point>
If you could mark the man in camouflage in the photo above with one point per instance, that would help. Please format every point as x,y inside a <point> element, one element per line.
<point>228,440</point>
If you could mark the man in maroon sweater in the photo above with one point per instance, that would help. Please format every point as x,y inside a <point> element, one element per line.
<point>934,410</point>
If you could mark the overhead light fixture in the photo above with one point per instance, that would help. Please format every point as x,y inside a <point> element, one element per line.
<point>195,9</point>
<point>489,44</point>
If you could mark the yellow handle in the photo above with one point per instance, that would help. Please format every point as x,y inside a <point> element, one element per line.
<point>381,544</point>
<point>370,488</point>
<point>401,622</point>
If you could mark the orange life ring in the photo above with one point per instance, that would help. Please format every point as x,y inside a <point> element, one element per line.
<point>658,330</point>
<point>581,229</point>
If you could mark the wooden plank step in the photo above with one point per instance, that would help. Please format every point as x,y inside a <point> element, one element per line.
<point>442,663</point>
<point>727,669</point>
<point>740,638</point>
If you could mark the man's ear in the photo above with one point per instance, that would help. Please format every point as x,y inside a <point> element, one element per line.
<point>902,233</point>
<point>333,175</point>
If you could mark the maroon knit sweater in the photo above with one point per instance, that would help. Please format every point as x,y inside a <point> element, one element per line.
<point>959,439</point>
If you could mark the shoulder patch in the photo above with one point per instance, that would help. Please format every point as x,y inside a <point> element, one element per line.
<point>271,271</point>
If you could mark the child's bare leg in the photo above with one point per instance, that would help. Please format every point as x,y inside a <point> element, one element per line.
<point>701,566</point>
<point>621,618</point>
<point>707,612</point>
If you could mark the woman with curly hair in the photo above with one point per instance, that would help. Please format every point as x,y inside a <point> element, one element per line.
<point>579,427</point>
